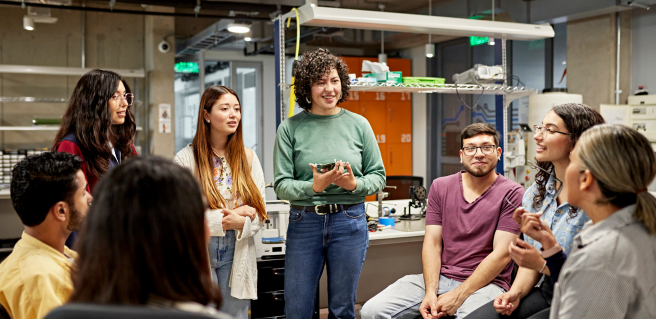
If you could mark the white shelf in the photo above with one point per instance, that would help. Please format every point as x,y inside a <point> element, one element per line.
<point>39,128</point>
<point>443,88</point>
<point>54,70</point>
<point>32,99</point>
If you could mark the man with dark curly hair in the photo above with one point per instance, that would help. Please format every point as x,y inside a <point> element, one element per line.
<point>327,223</point>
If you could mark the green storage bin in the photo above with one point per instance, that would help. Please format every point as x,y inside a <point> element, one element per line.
<point>422,80</point>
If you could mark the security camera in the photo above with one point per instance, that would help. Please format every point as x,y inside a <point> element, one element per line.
<point>164,46</point>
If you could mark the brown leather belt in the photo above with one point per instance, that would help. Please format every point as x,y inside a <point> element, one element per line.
<point>324,209</point>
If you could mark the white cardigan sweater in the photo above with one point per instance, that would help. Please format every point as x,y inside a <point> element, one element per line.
<point>243,277</point>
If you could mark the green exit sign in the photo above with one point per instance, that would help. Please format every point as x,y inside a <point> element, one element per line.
<point>186,67</point>
<point>478,40</point>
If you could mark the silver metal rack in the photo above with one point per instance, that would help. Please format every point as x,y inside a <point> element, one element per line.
<point>29,99</point>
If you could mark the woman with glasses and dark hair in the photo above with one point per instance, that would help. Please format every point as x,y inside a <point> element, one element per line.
<point>98,125</point>
<point>232,179</point>
<point>150,247</point>
<point>327,222</point>
<point>555,139</point>
<point>611,270</point>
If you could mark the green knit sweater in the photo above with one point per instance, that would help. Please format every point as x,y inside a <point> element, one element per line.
<point>308,138</point>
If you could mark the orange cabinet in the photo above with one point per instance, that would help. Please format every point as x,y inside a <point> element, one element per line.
<point>399,159</point>
<point>389,114</point>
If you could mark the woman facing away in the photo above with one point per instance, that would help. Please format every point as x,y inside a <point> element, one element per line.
<point>611,271</point>
<point>232,180</point>
<point>149,246</point>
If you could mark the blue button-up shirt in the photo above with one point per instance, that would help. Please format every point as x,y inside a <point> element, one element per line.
<point>563,227</point>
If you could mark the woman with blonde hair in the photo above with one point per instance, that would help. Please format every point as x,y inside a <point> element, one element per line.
<point>611,272</point>
<point>232,179</point>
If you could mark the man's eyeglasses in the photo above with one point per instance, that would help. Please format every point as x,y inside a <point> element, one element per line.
<point>485,149</point>
<point>129,97</point>
<point>540,130</point>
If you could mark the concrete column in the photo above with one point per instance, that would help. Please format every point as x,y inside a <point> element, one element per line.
<point>160,78</point>
<point>592,58</point>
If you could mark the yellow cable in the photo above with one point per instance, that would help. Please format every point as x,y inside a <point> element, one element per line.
<point>292,96</point>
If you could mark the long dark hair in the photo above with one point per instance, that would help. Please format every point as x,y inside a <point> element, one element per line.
<point>577,118</point>
<point>143,238</point>
<point>89,117</point>
<point>236,156</point>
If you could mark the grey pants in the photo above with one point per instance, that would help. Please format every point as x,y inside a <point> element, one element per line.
<point>402,299</point>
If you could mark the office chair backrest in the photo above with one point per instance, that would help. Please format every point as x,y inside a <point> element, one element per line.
<point>88,311</point>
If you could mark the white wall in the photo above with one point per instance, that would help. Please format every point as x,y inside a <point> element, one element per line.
<point>643,69</point>
<point>268,107</point>
<point>419,101</point>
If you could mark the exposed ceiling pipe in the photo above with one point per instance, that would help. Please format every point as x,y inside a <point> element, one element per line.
<point>167,14</point>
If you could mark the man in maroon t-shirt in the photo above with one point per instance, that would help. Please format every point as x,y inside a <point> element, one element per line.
<point>469,227</point>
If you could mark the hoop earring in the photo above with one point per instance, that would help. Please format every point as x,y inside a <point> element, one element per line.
<point>340,96</point>
<point>208,121</point>
<point>308,100</point>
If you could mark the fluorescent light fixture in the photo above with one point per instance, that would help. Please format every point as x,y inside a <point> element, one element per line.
<point>490,41</point>
<point>28,23</point>
<point>430,50</point>
<point>416,23</point>
<point>639,5</point>
<point>239,27</point>
<point>248,39</point>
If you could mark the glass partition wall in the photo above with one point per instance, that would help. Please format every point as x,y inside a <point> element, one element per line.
<point>245,78</point>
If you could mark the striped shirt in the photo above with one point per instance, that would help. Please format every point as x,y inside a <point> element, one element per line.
<point>610,273</point>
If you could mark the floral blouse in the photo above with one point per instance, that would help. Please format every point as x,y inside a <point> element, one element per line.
<point>223,179</point>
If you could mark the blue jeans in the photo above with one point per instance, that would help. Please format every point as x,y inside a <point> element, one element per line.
<point>339,241</point>
<point>222,252</point>
<point>401,300</point>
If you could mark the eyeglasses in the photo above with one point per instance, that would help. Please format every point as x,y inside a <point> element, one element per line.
<point>485,149</point>
<point>129,97</point>
<point>540,130</point>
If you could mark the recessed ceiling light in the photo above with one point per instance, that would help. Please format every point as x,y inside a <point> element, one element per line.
<point>239,27</point>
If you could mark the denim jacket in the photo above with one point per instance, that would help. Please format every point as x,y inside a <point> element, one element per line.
<point>563,227</point>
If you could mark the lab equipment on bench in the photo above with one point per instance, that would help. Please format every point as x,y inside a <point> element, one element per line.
<point>418,196</point>
<point>380,196</point>
<point>270,241</point>
<point>480,74</point>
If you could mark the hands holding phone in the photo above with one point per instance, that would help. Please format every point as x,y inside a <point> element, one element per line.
<point>323,178</point>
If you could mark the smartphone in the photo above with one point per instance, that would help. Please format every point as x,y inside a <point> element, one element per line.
<point>326,167</point>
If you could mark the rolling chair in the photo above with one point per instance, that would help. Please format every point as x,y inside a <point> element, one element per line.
<point>89,311</point>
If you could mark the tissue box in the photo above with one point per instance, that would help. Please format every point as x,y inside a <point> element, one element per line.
<point>396,76</point>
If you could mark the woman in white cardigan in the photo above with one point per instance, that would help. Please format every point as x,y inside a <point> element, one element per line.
<point>231,177</point>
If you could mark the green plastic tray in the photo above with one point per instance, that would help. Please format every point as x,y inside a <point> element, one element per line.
<point>423,80</point>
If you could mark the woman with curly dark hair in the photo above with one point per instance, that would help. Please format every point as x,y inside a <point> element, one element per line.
<point>555,139</point>
<point>327,220</point>
<point>98,126</point>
